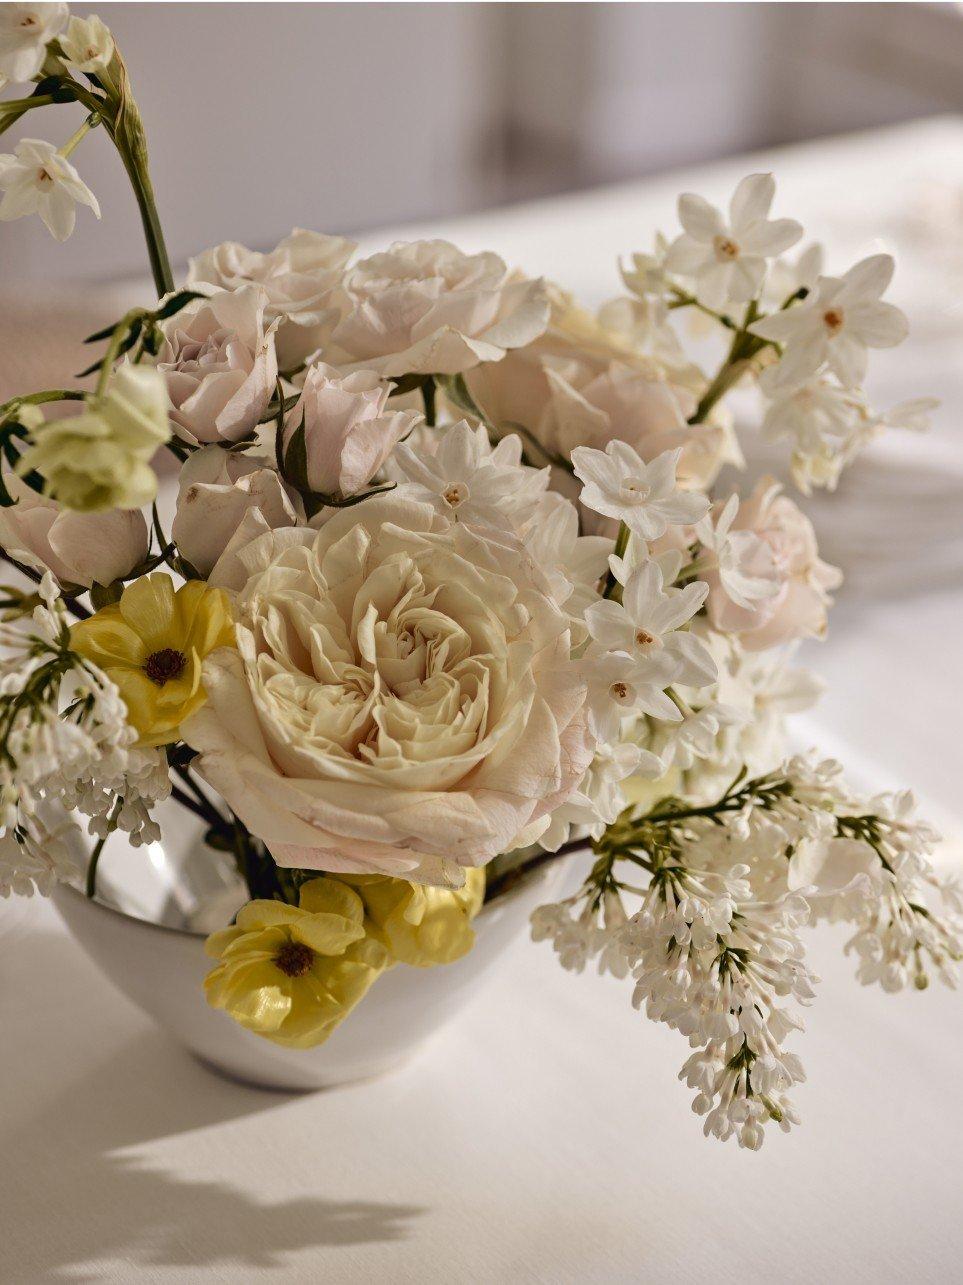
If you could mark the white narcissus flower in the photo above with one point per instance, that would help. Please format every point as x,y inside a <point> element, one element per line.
<point>727,258</point>
<point>349,430</point>
<point>619,689</point>
<point>771,586</point>
<point>87,44</point>
<point>219,361</point>
<point>424,307</point>
<point>25,31</point>
<point>466,479</point>
<point>647,626</point>
<point>816,414</point>
<point>36,179</point>
<point>298,276</point>
<point>645,497</point>
<point>402,701</point>
<point>79,548</point>
<point>842,318</point>
<point>217,490</point>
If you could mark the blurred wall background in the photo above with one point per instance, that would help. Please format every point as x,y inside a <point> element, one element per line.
<point>349,116</point>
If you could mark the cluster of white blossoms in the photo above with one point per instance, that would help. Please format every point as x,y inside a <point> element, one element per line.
<point>812,347</point>
<point>714,946</point>
<point>452,583</point>
<point>66,746</point>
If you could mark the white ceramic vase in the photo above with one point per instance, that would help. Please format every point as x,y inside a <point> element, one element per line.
<point>144,933</point>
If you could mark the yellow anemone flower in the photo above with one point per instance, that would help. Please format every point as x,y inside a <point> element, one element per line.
<point>152,643</point>
<point>418,924</point>
<point>293,973</point>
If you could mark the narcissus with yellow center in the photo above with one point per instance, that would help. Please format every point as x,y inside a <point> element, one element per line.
<point>152,644</point>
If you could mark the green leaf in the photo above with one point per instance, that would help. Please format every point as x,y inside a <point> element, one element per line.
<point>296,459</point>
<point>407,384</point>
<point>106,595</point>
<point>176,302</point>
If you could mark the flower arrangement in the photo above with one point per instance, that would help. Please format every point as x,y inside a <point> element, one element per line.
<point>451,591</point>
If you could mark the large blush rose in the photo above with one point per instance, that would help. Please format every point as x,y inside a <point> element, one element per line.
<point>403,700</point>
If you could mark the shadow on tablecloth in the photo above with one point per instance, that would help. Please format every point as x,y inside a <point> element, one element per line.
<point>79,1194</point>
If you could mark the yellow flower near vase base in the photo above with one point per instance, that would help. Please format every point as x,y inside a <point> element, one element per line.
<point>152,643</point>
<point>292,974</point>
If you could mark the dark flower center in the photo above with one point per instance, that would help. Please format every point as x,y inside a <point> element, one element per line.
<point>161,666</point>
<point>294,958</point>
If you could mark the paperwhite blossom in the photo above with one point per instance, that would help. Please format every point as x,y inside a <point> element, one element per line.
<point>36,179</point>
<point>727,257</point>
<point>25,31</point>
<point>647,626</point>
<point>618,688</point>
<point>87,44</point>
<point>840,320</point>
<point>618,484</point>
<point>467,480</point>
<point>645,275</point>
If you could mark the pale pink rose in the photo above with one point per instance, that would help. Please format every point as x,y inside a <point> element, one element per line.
<point>299,276</point>
<point>220,365</point>
<point>349,431</point>
<point>582,383</point>
<point>424,307</point>
<point>217,491</point>
<point>79,548</point>
<point>798,608</point>
<point>402,700</point>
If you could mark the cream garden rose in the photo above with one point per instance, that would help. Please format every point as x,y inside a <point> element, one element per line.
<point>424,307</point>
<point>403,699</point>
<point>219,360</point>
<point>298,277</point>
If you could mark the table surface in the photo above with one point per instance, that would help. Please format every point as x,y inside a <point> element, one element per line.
<point>543,1136</point>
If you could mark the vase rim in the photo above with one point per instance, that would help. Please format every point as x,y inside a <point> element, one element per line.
<point>523,883</point>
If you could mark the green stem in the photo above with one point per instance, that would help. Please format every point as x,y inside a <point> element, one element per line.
<point>156,247</point>
<point>123,123</point>
<point>38,399</point>
<point>74,141</point>
<point>428,391</point>
<point>612,587</point>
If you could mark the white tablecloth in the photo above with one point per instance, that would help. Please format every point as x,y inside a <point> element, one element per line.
<point>543,1137</point>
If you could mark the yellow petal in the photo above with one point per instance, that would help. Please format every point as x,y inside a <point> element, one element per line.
<point>107,640</point>
<point>147,605</point>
